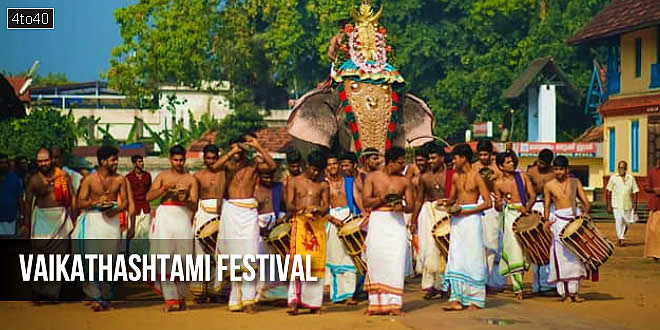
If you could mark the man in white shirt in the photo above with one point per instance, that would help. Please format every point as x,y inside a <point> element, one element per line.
<point>620,190</point>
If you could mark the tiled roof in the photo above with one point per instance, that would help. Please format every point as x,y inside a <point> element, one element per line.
<point>17,82</point>
<point>541,66</point>
<point>273,139</point>
<point>592,134</point>
<point>630,105</point>
<point>618,17</point>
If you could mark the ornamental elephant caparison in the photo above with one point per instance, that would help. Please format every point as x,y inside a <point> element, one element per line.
<point>361,107</point>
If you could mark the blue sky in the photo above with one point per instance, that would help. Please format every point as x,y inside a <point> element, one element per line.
<point>85,32</point>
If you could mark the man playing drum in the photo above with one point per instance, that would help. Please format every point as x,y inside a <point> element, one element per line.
<point>566,270</point>
<point>269,196</point>
<point>432,188</point>
<point>102,196</point>
<point>540,174</point>
<point>466,265</point>
<point>239,228</point>
<point>308,196</point>
<point>211,189</point>
<point>171,230</point>
<point>388,194</point>
<point>492,224</point>
<point>514,196</point>
<point>341,273</point>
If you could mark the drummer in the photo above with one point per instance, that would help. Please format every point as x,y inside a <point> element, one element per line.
<point>566,270</point>
<point>385,192</point>
<point>514,196</point>
<point>539,174</point>
<point>341,273</point>
<point>491,220</point>
<point>211,188</point>
<point>431,190</point>
<point>308,195</point>
<point>270,207</point>
<point>466,265</point>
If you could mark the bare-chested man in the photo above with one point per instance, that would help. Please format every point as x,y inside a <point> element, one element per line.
<point>539,175</point>
<point>171,231</point>
<point>294,166</point>
<point>566,270</point>
<point>370,162</point>
<point>466,264</point>
<point>340,270</point>
<point>102,197</point>
<point>239,228</point>
<point>429,191</point>
<point>514,196</point>
<point>49,223</point>
<point>491,220</point>
<point>388,194</point>
<point>308,196</point>
<point>211,187</point>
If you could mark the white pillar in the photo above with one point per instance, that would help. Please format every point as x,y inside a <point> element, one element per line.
<point>532,114</point>
<point>547,114</point>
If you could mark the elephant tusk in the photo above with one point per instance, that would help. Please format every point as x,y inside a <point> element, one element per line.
<point>429,137</point>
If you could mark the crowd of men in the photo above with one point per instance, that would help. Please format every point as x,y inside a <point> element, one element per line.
<point>397,203</point>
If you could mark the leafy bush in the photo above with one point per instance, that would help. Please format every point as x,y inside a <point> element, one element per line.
<point>44,126</point>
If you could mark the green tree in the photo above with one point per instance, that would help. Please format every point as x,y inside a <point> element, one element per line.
<point>44,126</point>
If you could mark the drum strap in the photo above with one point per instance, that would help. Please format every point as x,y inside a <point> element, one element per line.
<point>573,186</point>
<point>521,187</point>
<point>350,199</point>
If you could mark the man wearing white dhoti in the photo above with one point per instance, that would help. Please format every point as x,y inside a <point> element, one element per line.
<point>102,197</point>
<point>434,186</point>
<point>514,195</point>
<point>388,194</point>
<point>49,223</point>
<point>540,174</point>
<point>466,265</point>
<point>171,229</point>
<point>211,185</point>
<point>566,269</point>
<point>491,218</point>
<point>239,228</point>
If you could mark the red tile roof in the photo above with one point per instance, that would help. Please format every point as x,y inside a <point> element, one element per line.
<point>592,134</point>
<point>273,139</point>
<point>630,105</point>
<point>618,17</point>
<point>17,82</point>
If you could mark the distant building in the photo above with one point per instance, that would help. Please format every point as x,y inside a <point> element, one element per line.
<point>630,29</point>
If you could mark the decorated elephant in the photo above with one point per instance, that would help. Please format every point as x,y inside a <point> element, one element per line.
<point>361,106</point>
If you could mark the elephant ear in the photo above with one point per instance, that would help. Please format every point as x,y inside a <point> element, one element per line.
<point>416,122</point>
<point>313,117</point>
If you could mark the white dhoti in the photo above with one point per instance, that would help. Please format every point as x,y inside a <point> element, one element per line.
<point>139,244</point>
<point>492,236</point>
<point>270,290</point>
<point>239,234</point>
<point>51,228</point>
<point>466,265</point>
<point>206,211</point>
<point>622,218</point>
<point>96,233</point>
<point>541,272</point>
<point>432,262</point>
<point>566,269</point>
<point>411,256</point>
<point>385,255</point>
<point>512,261</point>
<point>341,273</point>
<point>171,233</point>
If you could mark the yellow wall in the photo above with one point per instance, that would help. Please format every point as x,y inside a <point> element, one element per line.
<point>629,83</point>
<point>622,126</point>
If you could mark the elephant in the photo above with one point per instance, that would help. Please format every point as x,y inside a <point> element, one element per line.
<point>317,120</point>
<point>360,106</point>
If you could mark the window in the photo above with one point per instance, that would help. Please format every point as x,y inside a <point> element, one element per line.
<point>638,57</point>
<point>634,145</point>
<point>581,172</point>
<point>612,149</point>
